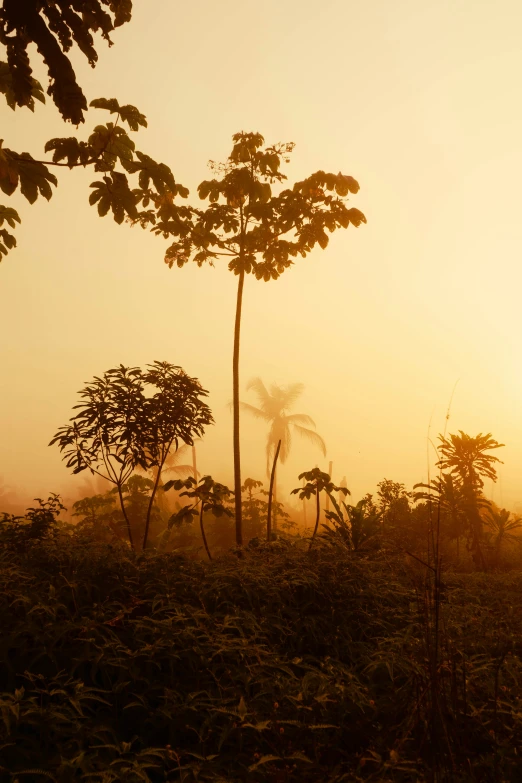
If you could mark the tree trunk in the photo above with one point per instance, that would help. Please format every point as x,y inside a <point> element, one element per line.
<point>203,536</point>
<point>270,492</point>
<point>194,464</point>
<point>274,501</point>
<point>235,403</point>
<point>304,508</point>
<point>330,471</point>
<point>149,509</point>
<point>129,532</point>
<point>316,519</point>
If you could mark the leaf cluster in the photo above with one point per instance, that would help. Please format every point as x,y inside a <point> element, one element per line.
<point>316,482</point>
<point>259,231</point>
<point>54,28</point>
<point>120,427</point>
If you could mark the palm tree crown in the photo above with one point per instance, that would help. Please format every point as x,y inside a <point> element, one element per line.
<point>274,407</point>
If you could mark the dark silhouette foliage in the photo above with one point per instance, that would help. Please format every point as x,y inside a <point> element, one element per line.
<point>54,28</point>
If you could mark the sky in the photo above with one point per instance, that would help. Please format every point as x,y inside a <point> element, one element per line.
<point>420,102</point>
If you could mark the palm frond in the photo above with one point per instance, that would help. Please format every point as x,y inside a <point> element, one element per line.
<point>288,394</point>
<point>300,418</point>
<point>183,471</point>
<point>258,413</point>
<point>257,385</point>
<point>312,436</point>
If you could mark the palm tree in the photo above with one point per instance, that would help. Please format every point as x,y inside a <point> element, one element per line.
<point>274,407</point>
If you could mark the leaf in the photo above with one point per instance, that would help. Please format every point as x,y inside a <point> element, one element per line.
<point>22,170</point>
<point>70,149</point>
<point>6,87</point>
<point>109,144</point>
<point>300,756</point>
<point>129,114</point>
<point>114,193</point>
<point>263,760</point>
<point>9,216</point>
<point>242,710</point>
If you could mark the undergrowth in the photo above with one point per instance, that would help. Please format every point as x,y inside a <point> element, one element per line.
<point>277,666</point>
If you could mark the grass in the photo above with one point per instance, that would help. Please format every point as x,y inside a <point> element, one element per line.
<point>280,666</point>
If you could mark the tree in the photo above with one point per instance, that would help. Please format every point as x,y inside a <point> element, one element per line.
<point>54,28</point>
<point>121,426</point>
<point>465,458</point>
<point>97,516</point>
<point>444,500</point>
<point>502,525</point>
<point>274,407</point>
<point>393,503</point>
<point>208,494</point>
<point>317,482</point>
<point>257,231</point>
<point>38,522</point>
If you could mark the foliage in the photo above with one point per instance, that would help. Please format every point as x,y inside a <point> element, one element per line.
<point>21,532</point>
<point>354,527</point>
<point>111,152</point>
<point>465,457</point>
<point>245,218</point>
<point>275,666</point>
<point>54,28</point>
<point>502,526</point>
<point>121,427</point>
<point>317,482</point>
<point>210,495</point>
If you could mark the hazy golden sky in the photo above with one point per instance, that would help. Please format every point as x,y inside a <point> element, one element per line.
<point>421,103</point>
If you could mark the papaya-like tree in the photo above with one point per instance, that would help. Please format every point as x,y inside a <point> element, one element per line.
<point>257,231</point>
<point>208,494</point>
<point>317,482</point>
<point>465,458</point>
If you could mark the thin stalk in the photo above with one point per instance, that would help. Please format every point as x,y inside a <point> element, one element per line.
<point>203,536</point>
<point>318,511</point>
<point>124,512</point>
<point>194,469</point>
<point>274,501</point>
<point>330,471</point>
<point>235,403</point>
<point>270,492</point>
<point>151,503</point>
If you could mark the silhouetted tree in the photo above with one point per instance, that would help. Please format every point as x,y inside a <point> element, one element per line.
<point>502,526</point>
<point>208,494</point>
<point>393,503</point>
<point>120,427</point>
<point>464,456</point>
<point>260,233</point>
<point>317,482</point>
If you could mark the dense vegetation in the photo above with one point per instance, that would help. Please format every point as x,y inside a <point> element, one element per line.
<point>282,665</point>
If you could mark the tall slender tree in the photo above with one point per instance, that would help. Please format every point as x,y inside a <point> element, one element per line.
<point>258,231</point>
